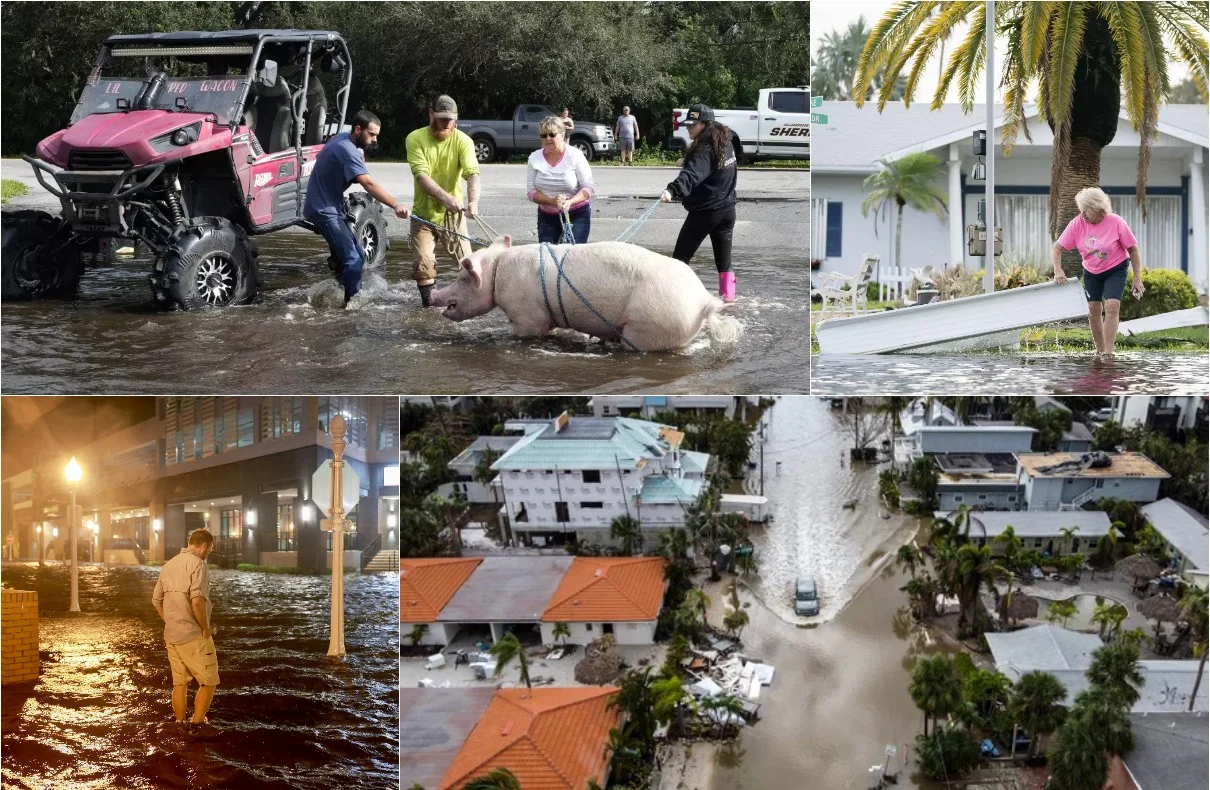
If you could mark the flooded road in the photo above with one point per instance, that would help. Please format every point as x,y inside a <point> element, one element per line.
<point>100,717</point>
<point>1129,372</point>
<point>111,340</point>
<point>840,694</point>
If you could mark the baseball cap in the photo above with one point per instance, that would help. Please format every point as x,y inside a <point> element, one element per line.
<point>697,114</point>
<point>445,107</point>
<point>626,108</point>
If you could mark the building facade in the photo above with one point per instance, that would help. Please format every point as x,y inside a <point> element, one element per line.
<point>1066,481</point>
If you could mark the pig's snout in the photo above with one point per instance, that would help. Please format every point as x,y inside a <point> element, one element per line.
<point>440,297</point>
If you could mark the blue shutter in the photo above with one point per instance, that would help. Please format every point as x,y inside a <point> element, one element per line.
<point>834,226</point>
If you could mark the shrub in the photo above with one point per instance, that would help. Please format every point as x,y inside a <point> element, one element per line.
<point>946,753</point>
<point>245,566</point>
<point>1020,269</point>
<point>1167,290</point>
<point>888,488</point>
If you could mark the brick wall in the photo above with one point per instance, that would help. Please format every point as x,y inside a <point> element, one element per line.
<point>19,637</point>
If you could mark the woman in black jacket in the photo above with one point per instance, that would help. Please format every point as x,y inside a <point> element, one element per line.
<point>706,188</point>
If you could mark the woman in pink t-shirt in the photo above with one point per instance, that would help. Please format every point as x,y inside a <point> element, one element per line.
<point>1108,249</point>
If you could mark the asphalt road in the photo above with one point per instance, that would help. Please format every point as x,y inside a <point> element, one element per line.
<point>774,206</point>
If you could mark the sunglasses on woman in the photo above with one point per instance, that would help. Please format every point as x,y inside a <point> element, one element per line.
<point>548,136</point>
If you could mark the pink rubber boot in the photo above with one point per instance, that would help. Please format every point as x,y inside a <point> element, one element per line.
<point>726,286</point>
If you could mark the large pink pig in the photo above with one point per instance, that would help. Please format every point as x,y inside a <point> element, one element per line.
<point>657,302</point>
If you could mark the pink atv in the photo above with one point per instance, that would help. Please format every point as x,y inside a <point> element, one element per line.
<point>188,144</point>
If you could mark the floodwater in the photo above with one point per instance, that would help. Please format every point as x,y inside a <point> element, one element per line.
<point>288,716</point>
<point>111,340</point>
<point>1128,373</point>
<point>840,694</point>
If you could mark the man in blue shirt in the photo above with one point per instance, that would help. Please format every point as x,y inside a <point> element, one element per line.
<point>339,164</point>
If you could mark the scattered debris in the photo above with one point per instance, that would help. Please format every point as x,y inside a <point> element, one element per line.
<point>601,663</point>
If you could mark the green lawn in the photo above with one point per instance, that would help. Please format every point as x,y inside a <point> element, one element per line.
<point>12,189</point>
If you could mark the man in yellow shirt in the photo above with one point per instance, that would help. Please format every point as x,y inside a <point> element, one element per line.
<point>440,157</point>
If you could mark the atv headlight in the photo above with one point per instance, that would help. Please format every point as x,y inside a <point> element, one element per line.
<point>176,138</point>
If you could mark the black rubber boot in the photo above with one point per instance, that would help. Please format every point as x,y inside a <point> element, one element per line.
<point>425,295</point>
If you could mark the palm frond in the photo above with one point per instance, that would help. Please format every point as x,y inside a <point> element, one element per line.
<point>1190,46</point>
<point>969,83</point>
<point>1156,89</point>
<point>935,33</point>
<point>1066,44</point>
<point>890,36</point>
<point>1125,28</point>
<point>1035,20</point>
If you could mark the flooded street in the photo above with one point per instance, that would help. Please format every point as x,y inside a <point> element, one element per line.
<point>100,716</point>
<point>111,340</point>
<point>840,695</point>
<point>1128,373</point>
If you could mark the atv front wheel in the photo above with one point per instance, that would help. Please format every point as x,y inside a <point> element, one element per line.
<point>212,263</point>
<point>369,228</point>
<point>41,258</point>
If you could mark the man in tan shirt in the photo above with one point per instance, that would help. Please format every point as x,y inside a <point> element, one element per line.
<point>182,597</point>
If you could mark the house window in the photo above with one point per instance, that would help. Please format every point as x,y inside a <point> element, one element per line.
<point>982,497</point>
<point>561,512</point>
<point>285,527</point>
<point>588,626</point>
<point>834,225</point>
<point>957,497</point>
<point>592,505</point>
<point>1012,497</point>
<point>591,475</point>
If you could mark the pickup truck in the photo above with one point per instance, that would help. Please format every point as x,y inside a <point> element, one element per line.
<point>779,126</point>
<point>521,134</point>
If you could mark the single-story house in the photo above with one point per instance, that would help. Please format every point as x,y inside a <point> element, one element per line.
<point>1076,440</point>
<point>1065,481</point>
<point>1041,530</point>
<point>1067,654</point>
<point>1169,754</point>
<point>1186,536</point>
<point>550,738</point>
<point>481,599</point>
<point>845,150</point>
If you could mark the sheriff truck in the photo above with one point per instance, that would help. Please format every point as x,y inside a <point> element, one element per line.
<point>778,127</point>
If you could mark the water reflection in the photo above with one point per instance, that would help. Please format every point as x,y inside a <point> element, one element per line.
<point>1138,372</point>
<point>288,716</point>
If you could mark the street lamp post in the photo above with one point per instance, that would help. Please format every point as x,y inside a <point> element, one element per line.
<point>38,530</point>
<point>155,536</point>
<point>337,523</point>
<point>73,472</point>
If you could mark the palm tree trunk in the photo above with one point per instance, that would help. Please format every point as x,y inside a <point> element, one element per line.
<point>1201,667</point>
<point>1081,170</point>
<point>898,243</point>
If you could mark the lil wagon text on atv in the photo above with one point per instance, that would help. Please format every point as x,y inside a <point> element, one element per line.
<point>189,144</point>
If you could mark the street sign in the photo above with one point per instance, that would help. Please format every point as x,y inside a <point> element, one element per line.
<point>816,102</point>
<point>818,117</point>
<point>321,487</point>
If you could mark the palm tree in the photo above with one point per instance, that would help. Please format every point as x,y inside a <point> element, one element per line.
<point>1012,545</point>
<point>497,779</point>
<point>935,687</point>
<point>1108,617</point>
<point>975,571</point>
<point>636,699</point>
<point>1060,612</point>
<point>735,621</point>
<point>484,475</point>
<point>505,650</point>
<point>627,530</point>
<point>624,752</point>
<point>1109,718</point>
<point>1077,762</point>
<point>1087,60</point>
<point>1068,534</point>
<point>1115,668</point>
<point>697,600</point>
<point>922,595</point>
<point>561,631</point>
<point>1194,610</point>
<point>909,557</point>
<point>721,708</point>
<point>417,633</point>
<point>1037,705</point>
<point>833,71</point>
<point>912,181</point>
<point>674,544</point>
<point>669,693</point>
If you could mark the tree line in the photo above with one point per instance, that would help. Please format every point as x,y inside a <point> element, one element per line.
<point>490,56</point>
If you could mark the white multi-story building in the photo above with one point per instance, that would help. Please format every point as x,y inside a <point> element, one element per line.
<point>648,406</point>
<point>1168,413</point>
<point>575,475</point>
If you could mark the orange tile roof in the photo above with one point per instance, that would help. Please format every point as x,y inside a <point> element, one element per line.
<point>550,738</point>
<point>427,585</point>
<point>608,589</point>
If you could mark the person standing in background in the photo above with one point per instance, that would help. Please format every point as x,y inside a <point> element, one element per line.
<point>626,130</point>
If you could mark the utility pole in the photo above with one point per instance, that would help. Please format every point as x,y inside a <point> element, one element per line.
<point>989,260</point>
<point>73,474</point>
<point>762,459</point>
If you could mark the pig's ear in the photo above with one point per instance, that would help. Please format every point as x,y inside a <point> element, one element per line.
<point>507,242</point>
<point>473,268</point>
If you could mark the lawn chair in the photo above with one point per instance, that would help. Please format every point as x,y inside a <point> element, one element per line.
<point>833,286</point>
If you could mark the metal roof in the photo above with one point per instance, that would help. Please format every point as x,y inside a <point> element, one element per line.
<point>1183,527</point>
<point>472,454</point>
<point>190,36</point>
<point>588,443</point>
<point>1041,524</point>
<point>1043,647</point>
<point>507,590</point>
<point>662,489</point>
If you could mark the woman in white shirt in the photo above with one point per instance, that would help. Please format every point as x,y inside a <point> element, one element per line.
<point>558,178</point>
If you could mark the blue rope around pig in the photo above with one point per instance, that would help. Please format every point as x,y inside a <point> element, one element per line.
<point>543,249</point>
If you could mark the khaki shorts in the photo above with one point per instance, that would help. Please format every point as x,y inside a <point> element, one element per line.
<point>196,659</point>
<point>425,247</point>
